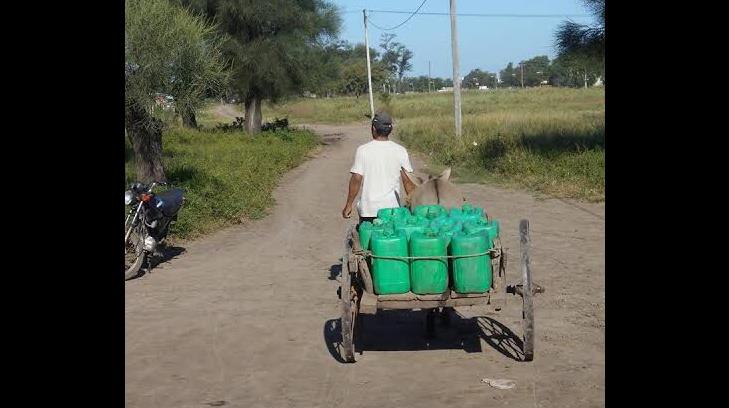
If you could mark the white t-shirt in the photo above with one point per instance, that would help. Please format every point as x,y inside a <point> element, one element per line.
<point>379,163</point>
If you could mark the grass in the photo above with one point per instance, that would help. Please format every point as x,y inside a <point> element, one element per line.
<point>208,118</point>
<point>227,177</point>
<point>549,140</point>
<point>321,110</point>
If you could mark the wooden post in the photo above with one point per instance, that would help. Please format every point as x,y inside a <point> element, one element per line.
<point>522,74</point>
<point>369,68</point>
<point>429,79</point>
<point>456,71</point>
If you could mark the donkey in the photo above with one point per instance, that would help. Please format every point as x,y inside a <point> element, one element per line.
<point>434,190</point>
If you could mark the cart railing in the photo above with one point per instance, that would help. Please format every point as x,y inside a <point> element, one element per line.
<point>493,253</point>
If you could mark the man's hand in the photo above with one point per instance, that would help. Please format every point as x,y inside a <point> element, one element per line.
<point>347,211</point>
<point>354,183</point>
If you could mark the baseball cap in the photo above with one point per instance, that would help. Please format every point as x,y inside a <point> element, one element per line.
<point>382,118</point>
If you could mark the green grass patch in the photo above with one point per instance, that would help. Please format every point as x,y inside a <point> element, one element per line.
<point>549,140</point>
<point>227,177</point>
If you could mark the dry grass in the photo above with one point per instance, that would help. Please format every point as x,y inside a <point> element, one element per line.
<point>546,139</point>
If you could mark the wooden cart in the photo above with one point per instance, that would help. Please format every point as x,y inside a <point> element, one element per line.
<point>358,296</point>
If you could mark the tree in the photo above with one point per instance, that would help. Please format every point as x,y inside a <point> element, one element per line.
<point>169,51</point>
<point>477,78</point>
<point>403,61</point>
<point>359,51</point>
<point>573,70</point>
<point>420,83</point>
<point>573,40</point>
<point>343,69</point>
<point>386,39</point>
<point>396,58</point>
<point>535,70</point>
<point>273,45</point>
<point>389,56</point>
<point>352,77</point>
<point>508,76</point>
<point>325,79</point>
<point>570,70</point>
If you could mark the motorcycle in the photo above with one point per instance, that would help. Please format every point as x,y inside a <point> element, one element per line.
<point>147,223</point>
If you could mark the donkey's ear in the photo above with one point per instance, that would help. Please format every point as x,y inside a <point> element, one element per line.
<point>417,180</point>
<point>446,174</point>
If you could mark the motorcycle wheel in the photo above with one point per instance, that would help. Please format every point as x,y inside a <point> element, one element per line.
<point>134,254</point>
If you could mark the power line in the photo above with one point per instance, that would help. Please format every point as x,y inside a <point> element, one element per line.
<point>481,14</point>
<point>406,20</point>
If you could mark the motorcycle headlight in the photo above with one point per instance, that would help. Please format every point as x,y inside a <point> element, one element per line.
<point>128,197</point>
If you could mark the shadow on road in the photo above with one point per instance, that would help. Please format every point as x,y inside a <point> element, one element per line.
<point>335,271</point>
<point>168,253</point>
<point>405,330</point>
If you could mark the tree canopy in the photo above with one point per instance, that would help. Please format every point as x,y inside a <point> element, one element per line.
<point>272,44</point>
<point>169,51</point>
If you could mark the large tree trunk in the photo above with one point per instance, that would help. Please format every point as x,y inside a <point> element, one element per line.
<point>253,114</point>
<point>145,135</point>
<point>188,118</point>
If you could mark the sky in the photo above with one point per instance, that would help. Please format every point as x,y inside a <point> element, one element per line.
<point>488,43</point>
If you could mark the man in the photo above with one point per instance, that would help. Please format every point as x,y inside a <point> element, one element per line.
<point>378,168</point>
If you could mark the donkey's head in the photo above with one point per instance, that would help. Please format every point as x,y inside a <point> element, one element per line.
<point>434,190</point>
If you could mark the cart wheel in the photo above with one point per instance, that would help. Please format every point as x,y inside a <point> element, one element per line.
<point>528,307</point>
<point>349,305</point>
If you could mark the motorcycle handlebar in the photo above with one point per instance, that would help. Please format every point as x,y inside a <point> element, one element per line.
<point>155,184</point>
<point>141,187</point>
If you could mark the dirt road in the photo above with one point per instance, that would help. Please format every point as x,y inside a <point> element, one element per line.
<point>247,317</point>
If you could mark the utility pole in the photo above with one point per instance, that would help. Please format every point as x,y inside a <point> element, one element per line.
<point>369,69</point>
<point>456,71</point>
<point>429,80</point>
<point>522,74</point>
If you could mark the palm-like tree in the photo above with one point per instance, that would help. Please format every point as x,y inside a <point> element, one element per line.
<point>573,39</point>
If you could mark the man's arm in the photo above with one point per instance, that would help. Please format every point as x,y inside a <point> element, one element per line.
<point>354,184</point>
